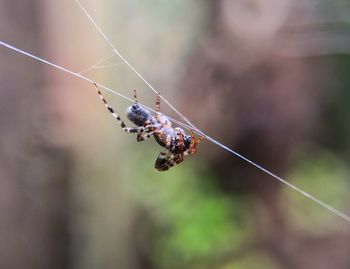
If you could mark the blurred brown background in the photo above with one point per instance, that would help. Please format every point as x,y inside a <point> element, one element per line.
<point>267,79</point>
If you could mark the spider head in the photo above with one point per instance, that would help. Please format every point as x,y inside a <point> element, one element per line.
<point>137,114</point>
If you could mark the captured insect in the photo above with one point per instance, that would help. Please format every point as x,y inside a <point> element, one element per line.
<point>175,141</point>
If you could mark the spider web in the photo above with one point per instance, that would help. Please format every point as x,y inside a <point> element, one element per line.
<point>104,63</point>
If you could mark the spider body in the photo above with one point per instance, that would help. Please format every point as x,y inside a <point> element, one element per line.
<point>175,142</point>
<point>138,115</point>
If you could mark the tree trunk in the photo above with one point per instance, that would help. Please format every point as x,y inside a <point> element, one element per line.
<point>33,172</point>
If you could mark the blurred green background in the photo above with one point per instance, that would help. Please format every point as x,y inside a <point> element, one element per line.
<point>267,79</point>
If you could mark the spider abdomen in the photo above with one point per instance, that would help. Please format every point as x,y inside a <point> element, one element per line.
<point>138,115</point>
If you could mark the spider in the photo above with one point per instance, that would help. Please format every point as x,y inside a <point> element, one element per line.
<point>175,141</point>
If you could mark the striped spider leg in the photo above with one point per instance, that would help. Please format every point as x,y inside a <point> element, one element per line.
<point>143,132</point>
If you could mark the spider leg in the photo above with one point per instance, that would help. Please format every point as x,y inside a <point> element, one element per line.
<point>135,97</point>
<point>166,160</point>
<point>181,143</point>
<point>116,116</point>
<point>194,142</point>
<point>158,103</point>
<point>147,131</point>
<point>145,135</point>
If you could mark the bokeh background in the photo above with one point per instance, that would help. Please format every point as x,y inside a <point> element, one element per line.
<point>267,78</point>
